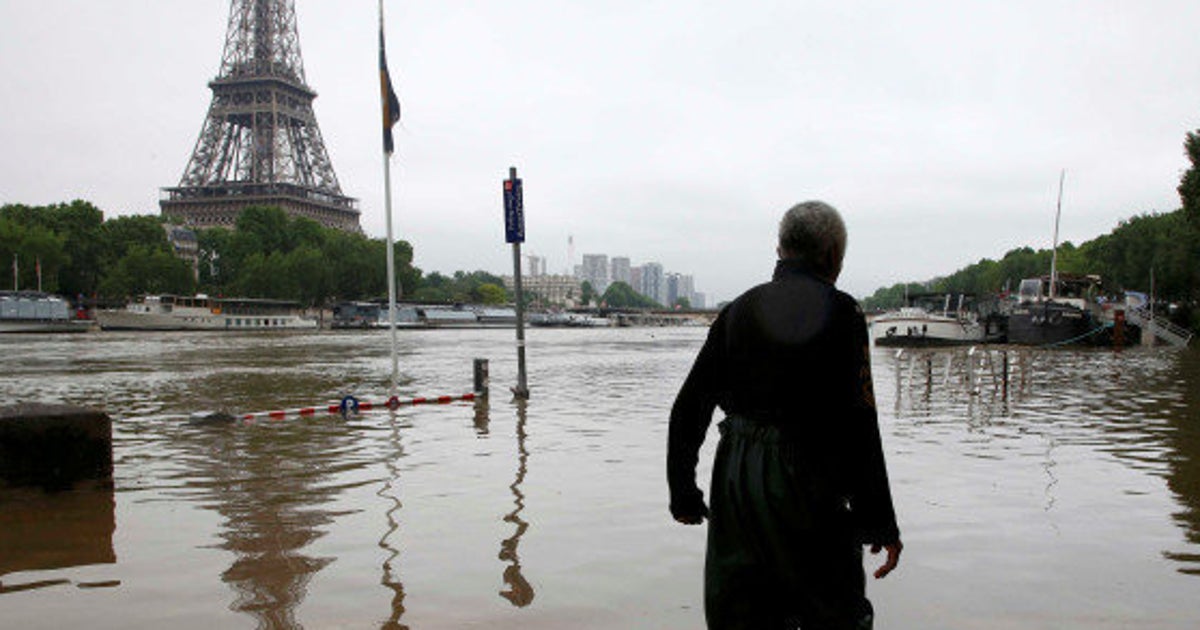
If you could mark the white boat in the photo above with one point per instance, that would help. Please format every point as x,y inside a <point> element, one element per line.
<point>172,312</point>
<point>931,320</point>
<point>568,320</point>
<point>497,317</point>
<point>447,317</point>
<point>36,312</point>
<point>406,317</point>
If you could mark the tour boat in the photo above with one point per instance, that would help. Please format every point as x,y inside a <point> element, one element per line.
<point>172,312</point>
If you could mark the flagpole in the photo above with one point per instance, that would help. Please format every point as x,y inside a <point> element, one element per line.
<point>391,269</point>
<point>391,254</point>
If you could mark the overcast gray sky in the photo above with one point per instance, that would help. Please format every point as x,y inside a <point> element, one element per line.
<point>674,131</point>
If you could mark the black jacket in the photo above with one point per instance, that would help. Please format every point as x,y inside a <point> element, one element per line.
<point>793,353</point>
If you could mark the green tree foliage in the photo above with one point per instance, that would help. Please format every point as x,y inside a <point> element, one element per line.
<point>266,227</point>
<point>31,246</point>
<point>303,232</point>
<point>621,295</point>
<point>136,258</point>
<point>79,224</point>
<point>269,255</point>
<point>31,231</point>
<point>435,288</point>
<point>273,256</point>
<point>462,288</point>
<point>307,266</point>
<point>587,294</point>
<point>147,270</point>
<point>215,271</point>
<point>492,294</point>
<point>119,235</point>
<point>407,276</point>
<point>1189,184</point>
<point>893,296</point>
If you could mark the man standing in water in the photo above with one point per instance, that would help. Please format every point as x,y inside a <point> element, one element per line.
<point>799,482</point>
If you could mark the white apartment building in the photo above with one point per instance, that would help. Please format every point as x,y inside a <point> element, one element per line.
<point>654,283</point>
<point>621,271</point>
<point>679,286</point>
<point>595,271</point>
<point>535,265</point>
<point>551,290</point>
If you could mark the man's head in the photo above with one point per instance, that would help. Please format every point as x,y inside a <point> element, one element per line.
<point>813,232</point>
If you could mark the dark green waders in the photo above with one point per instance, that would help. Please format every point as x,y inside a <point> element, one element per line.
<point>781,548</point>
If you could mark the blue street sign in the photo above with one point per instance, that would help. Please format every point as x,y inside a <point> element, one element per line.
<point>514,212</point>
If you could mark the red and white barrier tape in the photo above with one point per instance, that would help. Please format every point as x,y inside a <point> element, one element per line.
<point>350,404</point>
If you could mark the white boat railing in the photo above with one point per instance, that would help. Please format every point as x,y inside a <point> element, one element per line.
<point>1162,327</point>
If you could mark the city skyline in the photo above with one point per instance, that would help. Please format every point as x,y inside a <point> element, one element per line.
<point>650,278</point>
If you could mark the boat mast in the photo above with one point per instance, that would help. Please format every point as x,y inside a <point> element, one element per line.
<point>1054,255</point>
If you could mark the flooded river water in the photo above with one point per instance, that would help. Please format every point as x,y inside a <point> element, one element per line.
<point>1066,497</point>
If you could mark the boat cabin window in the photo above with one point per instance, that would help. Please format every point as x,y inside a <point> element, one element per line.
<point>1031,289</point>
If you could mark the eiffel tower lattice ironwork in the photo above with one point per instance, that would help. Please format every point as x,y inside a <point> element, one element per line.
<point>260,144</point>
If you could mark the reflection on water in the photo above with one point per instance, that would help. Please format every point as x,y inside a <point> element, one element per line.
<point>45,531</point>
<point>519,592</point>
<point>390,492</point>
<point>1184,460</point>
<point>1141,408</point>
<point>271,488</point>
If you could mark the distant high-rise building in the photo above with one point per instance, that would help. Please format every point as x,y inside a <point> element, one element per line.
<point>686,289</point>
<point>635,278</point>
<point>595,271</point>
<point>672,289</point>
<point>654,284</point>
<point>535,265</point>
<point>621,270</point>
<point>699,300</point>
<point>571,255</point>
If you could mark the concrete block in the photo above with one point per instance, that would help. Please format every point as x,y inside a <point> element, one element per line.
<point>54,446</point>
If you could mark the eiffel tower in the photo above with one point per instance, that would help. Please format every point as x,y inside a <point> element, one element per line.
<point>260,144</point>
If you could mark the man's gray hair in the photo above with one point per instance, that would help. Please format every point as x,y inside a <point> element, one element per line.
<point>813,231</point>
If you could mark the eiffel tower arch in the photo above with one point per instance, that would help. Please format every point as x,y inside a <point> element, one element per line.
<point>260,144</point>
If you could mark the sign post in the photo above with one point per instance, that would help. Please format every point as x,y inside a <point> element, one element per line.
<point>514,232</point>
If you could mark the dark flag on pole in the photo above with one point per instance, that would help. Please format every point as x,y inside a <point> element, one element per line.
<point>391,104</point>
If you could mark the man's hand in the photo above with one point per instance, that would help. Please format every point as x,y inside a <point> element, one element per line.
<point>893,558</point>
<point>689,509</point>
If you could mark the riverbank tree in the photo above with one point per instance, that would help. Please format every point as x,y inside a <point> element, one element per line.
<point>271,255</point>
<point>476,287</point>
<point>77,252</point>
<point>621,295</point>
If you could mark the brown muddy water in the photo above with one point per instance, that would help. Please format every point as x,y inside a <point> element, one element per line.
<point>1069,500</point>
